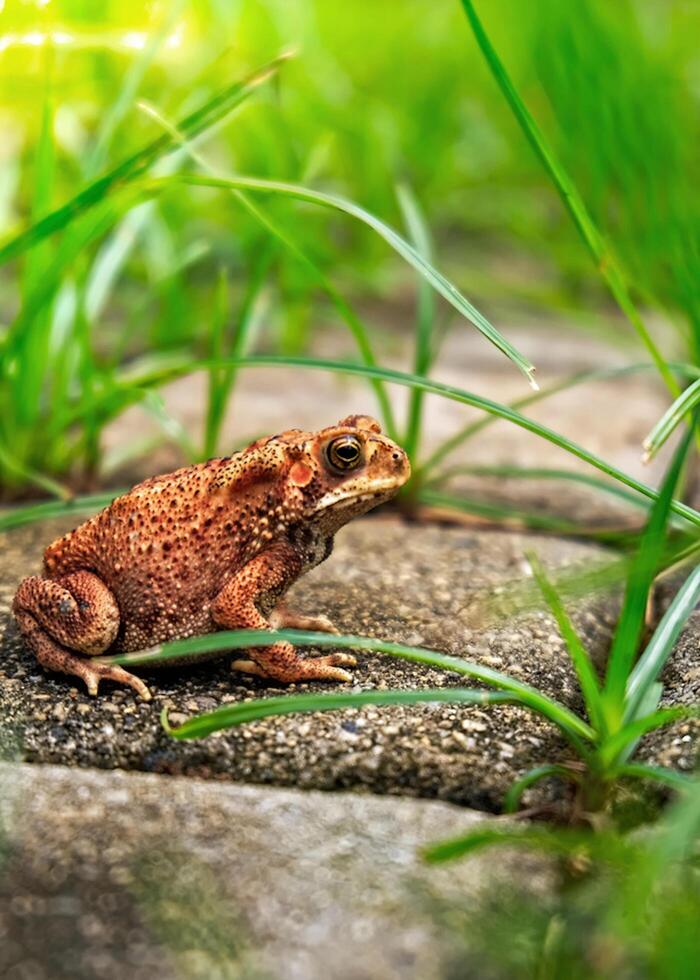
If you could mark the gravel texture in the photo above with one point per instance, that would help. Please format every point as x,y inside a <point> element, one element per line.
<point>114,875</point>
<point>418,584</point>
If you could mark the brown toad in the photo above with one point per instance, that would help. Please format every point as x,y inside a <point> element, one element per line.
<point>209,547</point>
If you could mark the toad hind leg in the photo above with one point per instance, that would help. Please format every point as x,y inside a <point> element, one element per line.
<point>261,582</point>
<point>63,618</point>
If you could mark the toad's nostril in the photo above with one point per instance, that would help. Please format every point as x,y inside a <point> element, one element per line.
<point>396,455</point>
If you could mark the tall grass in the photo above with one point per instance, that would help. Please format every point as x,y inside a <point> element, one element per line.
<point>624,905</point>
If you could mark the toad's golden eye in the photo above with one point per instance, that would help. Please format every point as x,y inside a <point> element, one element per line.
<point>344,453</point>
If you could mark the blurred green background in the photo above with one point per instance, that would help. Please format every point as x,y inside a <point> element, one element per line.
<point>374,95</point>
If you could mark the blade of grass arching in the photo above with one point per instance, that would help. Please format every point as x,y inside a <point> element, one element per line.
<point>246,711</point>
<point>657,774</point>
<point>511,801</point>
<point>560,841</point>
<point>613,748</point>
<point>574,728</point>
<point>357,327</point>
<point>510,516</point>
<point>647,706</point>
<point>19,516</point>
<point>438,282</point>
<point>631,621</point>
<point>577,652</point>
<point>605,260</point>
<point>671,419</point>
<point>660,647</point>
<point>213,111</point>
<point>434,387</point>
<point>419,234</point>
<point>584,579</point>
<point>581,377</point>
<point>344,309</point>
<point>538,473</point>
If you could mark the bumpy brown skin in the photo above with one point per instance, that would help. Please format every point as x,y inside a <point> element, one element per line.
<point>208,547</point>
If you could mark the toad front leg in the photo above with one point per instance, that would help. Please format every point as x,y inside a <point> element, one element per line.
<point>257,586</point>
<point>63,618</point>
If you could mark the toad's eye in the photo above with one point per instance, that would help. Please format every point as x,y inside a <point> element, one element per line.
<point>344,453</point>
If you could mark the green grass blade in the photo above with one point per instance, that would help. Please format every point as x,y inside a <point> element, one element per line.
<point>561,841</point>
<point>573,727</point>
<point>19,516</point>
<point>207,115</point>
<point>577,652</point>
<point>246,711</point>
<point>419,234</point>
<point>661,645</point>
<point>512,798</point>
<point>684,404</point>
<point>647,706</point>
<point>587,578</point>
<point>516,517</point>
<point>332,201</point>
<point>604,258</point>
<point>539,473</point>
<point>630,624</point>
<point>657,774</point>
<point>345,311</point>
<point>581,377</point>
<point>28,473</point>
<point>614,746</point>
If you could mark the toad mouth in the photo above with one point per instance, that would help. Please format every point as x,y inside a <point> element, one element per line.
<point>380,491</point>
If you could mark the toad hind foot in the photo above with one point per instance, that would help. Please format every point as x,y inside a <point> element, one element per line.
<point>68,620</point>
<point>93,673</point>
<point>52,656</point>
<point>281,662</point>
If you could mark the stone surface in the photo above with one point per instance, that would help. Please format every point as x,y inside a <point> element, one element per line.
<point>113,875</point>
<point>419,584</point>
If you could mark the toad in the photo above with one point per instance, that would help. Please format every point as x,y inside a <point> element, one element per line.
<point>209,547</point>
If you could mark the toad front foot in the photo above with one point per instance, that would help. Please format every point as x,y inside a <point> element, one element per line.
<point>282,663</point>
<point>282,617</point>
